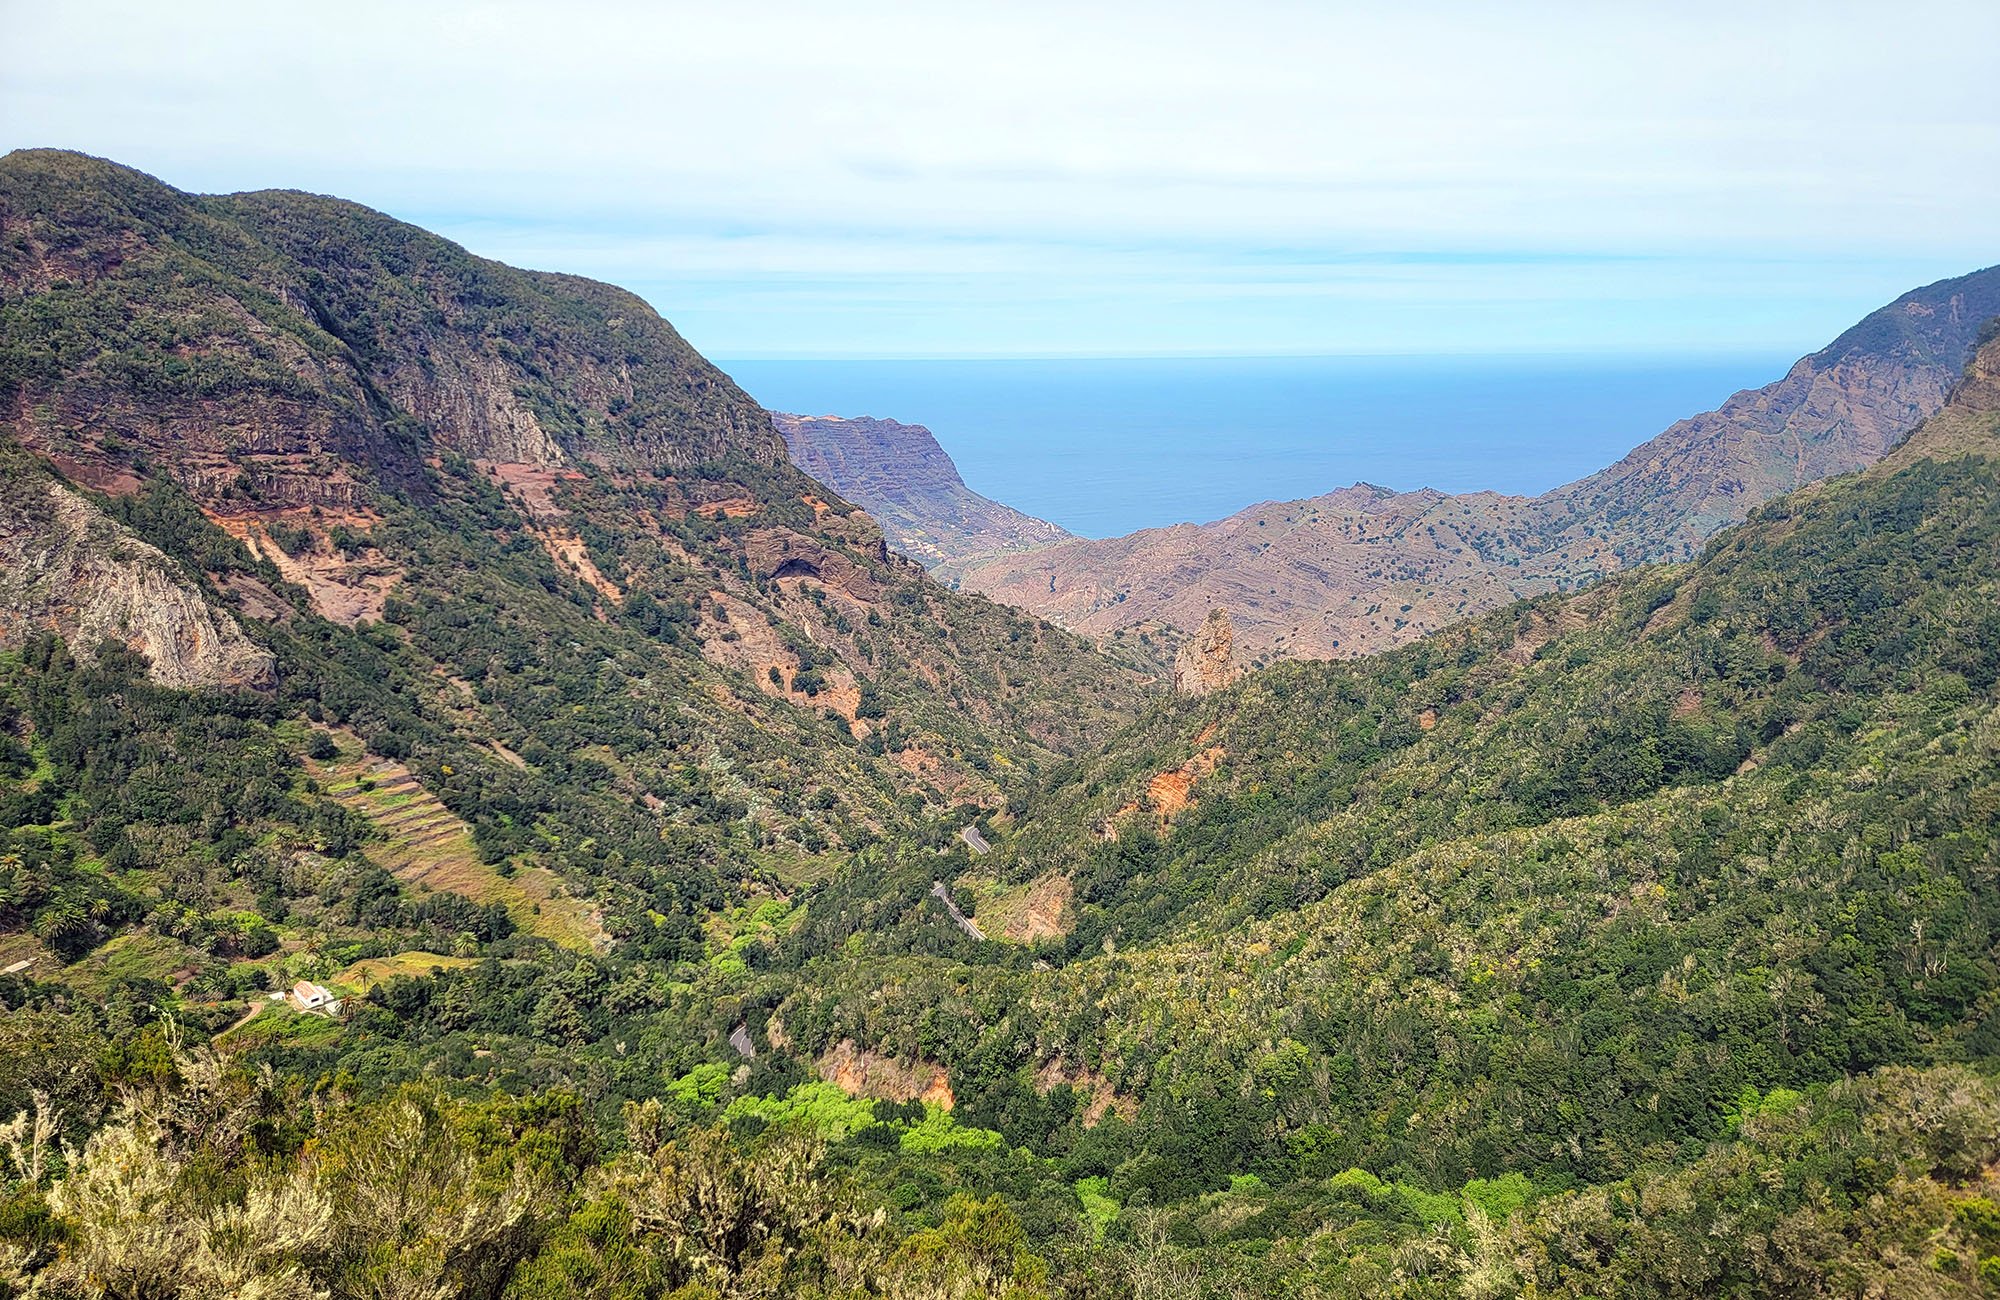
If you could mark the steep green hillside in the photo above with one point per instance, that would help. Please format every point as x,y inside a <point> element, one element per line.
<point>1637,943</point>
<point>1546,896</point>
<point>554,653</point>
<point>508,528</point>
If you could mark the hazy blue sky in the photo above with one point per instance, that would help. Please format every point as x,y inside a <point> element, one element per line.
<point>880,179</point>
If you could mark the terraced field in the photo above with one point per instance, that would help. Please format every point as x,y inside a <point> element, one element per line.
<point>429,848</point>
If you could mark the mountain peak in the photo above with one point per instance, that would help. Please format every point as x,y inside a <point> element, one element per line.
<point>901,475</point>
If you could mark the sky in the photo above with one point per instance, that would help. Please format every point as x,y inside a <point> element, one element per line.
<point>1115,179</point>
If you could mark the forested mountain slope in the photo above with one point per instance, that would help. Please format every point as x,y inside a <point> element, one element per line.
<point>1364,568</point>
<point>1548,894</point>
<point>1639,942</point>
<point>503,529</point>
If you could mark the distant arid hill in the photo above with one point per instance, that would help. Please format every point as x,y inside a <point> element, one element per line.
<point>899,474</point>
<point>1365,567</point>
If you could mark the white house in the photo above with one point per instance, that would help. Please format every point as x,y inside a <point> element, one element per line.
<point>308,996</point>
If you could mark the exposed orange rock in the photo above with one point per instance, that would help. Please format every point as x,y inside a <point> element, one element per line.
<point>344,590</point>
<point>1168,793</point>
<point>532,487</point>
<point>1171,791</point>
<point>570,553</point>
<point>732,508</point>
<point>862,1073</point>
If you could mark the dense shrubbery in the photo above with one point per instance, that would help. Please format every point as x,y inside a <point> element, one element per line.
<point>1419,997</point>
<point>1637,943</point>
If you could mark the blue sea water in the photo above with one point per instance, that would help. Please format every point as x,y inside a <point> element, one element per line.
<point>1104,447</point>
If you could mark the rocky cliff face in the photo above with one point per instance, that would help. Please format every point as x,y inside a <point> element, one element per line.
<point>1970,421</point>
<point>1365,568</point>
<point>1207,660</point>
<point>899,474</point>
<point>280,351</point>
<point>486,483</point>
<point>68,568</point>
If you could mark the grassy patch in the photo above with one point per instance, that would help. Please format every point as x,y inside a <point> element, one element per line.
<point>279,1022</point>
<point>136,955</point>
<point>370,971</point>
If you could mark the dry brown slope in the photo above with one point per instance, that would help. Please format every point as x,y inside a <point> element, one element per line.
<point>1365,568</point>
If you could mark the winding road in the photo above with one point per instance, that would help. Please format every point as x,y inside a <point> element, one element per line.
<point>965,922</point>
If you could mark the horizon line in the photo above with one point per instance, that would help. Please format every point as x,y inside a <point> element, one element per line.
<point>1517,354</point>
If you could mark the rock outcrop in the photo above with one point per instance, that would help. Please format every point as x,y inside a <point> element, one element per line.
<point>386,423</point>
<point>1365,568</point>
<point>316,349</point>
<point>899,474</point>
<point>774,554</point>
<point>67,567</point>
<point>1970,421</point>
<point>861,1073</point>
<point>1207,660</point>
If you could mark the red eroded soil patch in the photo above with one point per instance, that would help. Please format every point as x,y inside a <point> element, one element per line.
<point>1103,1099</point>
<point>861,1073</point>
<point>533,487</point>
<point>110,479</point>
<point>345,589</point>
<point>1169,792</point>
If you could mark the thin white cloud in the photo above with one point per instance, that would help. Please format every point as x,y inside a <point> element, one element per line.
<point>956,146</point>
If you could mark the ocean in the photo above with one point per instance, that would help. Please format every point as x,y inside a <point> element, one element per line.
<point>1104,447</point>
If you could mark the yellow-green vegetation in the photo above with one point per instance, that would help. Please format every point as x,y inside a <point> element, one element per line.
<point>370,971</point>
<point>1639,942</point>
<point>18,947</point>
<point>137,956</point>
<point>938,1131</point>
<point>1028,911</point>
<point>429,848</point>
<point>820,1108</point>
<point>1100,1208</point>
<point>735,931</point>
<point>279,1025</point>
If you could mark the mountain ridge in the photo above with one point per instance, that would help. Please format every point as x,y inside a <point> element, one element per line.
<point>458,511</point>
<point>714,905</point>
<point>905,480</point>
<point>1360,569</point>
